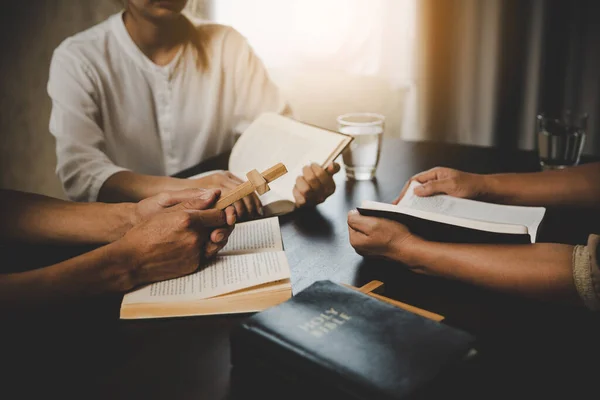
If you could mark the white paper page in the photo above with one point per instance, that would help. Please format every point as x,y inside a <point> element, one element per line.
<point>225,274</point>
<point>258,235</point>
<point>271,139</point>
<point>530,217</point>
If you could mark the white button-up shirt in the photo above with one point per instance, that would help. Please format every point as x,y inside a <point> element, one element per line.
<point>113,109</point>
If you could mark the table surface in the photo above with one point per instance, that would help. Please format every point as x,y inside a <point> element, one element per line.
<point>527,348</point>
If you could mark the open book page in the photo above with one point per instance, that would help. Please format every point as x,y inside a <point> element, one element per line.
<point>529,217</point>
<point>225,274</point>
<point>254,236</point>
<point>273,138</point>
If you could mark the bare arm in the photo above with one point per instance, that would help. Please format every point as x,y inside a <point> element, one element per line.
<point>131,186</point>
<point>542,271</point>
<point>101,271</point>
<point>164,246</point>
<point>35,218</point>
<point>576,186</point>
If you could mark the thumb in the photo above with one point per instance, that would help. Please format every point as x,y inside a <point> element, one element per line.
<point>207,218</point>
<point>402,193</point>
<point>433,187</point>
<point>202,202</point>
<point>333,168</point>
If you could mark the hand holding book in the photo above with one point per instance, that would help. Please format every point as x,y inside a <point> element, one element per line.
<point>307,151</point>
<point>483,244</point>
<point>448,181</point>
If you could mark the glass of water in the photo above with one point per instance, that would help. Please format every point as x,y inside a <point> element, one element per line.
<point>362,156</point>
<point>561,139</point>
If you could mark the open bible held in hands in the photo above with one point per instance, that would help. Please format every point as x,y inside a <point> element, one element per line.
<point>273,138</point>
<point>444,218</point>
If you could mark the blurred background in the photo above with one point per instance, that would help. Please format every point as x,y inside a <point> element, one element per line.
<point>465,71</point>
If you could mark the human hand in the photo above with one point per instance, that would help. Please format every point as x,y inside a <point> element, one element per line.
<point>371,236</point>
<point>186,199</point>
<point>171,244</point>
<point>440,180</point>
<point>315,184</point>
<point>247,208</point>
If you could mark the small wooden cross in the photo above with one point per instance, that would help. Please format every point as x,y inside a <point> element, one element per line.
<point>372,288</point>
<point>256,181</point>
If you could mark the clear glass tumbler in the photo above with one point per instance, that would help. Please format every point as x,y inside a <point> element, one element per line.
<point>561,139</point>
<point>361,158</point>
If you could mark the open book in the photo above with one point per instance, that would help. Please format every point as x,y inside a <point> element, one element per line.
<point>250,274</point>
<point>449,219</point>
<point>273,138</point>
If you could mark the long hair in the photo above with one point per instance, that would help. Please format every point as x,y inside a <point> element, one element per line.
<point>199,38</point>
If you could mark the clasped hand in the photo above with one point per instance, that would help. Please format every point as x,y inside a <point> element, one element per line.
<point>172,234</point>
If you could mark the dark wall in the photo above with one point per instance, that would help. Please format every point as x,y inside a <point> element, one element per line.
<point>571,69</point>
<point>30,31</point>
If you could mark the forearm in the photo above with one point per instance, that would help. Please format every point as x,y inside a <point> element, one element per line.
<point>576,186</point>
<point>542,271</point>
<point>39,219</point>
<point>130,186</point>
<point>101,271</point>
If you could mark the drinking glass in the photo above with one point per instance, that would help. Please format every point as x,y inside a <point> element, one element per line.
<point>361,158</point>
<point>561,139</point>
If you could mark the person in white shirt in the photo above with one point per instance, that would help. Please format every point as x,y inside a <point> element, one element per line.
<point>148,93</point>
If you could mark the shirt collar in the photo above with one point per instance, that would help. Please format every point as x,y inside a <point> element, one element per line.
<point>125,40</point>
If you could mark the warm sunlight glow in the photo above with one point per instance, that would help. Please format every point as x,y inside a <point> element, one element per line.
<point>357,36</point>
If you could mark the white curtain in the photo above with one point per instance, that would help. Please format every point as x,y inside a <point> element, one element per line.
<point>332,56</point>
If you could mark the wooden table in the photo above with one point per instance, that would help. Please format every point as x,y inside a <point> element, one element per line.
<point>528,349</point>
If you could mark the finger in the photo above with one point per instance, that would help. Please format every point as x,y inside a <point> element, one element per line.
<point>325,179</point>
<point>234,178</point>
<point>426,176</point>
<point>171,198</point>
<point>257,204</point>
<point>304,189</point>
<point>333,168</point>
<point>311,178</point>
<point>299,198</point>
<point>361,223</point>
<point>430,175</point>
<point>212,249</point>
<point>250,205</point>
<point>230,215</point>
<point>230,184</point>
<point>205,201</point>
<point>220,235</point>
<point>240,210</point>
<point>207,218</point>
<point>430,188</point>
<point>402,192</point>
<point>358,240</point>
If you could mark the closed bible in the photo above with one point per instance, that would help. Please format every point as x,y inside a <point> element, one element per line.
<point>333,342</point>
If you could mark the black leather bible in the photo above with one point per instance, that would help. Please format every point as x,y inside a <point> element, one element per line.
<point>329,341</point>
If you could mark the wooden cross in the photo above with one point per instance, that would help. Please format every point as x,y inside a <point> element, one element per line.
<point>256,181</point>
<point>375,286</point>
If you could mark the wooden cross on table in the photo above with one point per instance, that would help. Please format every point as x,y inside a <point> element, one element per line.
<point>256,181</point>
<point>375,286</point>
